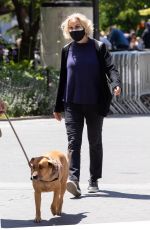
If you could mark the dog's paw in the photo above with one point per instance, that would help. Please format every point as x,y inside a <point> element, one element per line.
<point>53,209</point>
<point>54,212</point>
<point>37,219</point>
<point>58,213</point>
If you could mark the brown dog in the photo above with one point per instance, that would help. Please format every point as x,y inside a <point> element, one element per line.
<point>49,173</point>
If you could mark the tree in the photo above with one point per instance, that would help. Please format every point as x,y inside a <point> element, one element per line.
<point>28,16</point>
<point>123,13</point>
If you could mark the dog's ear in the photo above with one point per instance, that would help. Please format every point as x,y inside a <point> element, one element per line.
<point>53,163</point>
<point>31,161</point>
<point>56,167</point>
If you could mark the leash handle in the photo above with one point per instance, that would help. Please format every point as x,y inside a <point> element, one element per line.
<point>18,139</point>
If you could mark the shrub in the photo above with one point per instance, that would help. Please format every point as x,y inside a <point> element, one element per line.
<point>26,90</point>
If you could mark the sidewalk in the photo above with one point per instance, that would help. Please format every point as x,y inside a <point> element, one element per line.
<point>114,203</point>
<point>124,197</point>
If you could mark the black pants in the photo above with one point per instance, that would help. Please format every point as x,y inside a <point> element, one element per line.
<point>74,121</point>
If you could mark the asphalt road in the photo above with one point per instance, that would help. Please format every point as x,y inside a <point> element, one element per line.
<point>124,195</point>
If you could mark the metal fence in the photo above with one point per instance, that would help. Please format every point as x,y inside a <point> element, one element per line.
<point>134,68</point>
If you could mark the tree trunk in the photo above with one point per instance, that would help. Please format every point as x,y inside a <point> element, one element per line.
<point>28,42</point>
<point>29,28</point>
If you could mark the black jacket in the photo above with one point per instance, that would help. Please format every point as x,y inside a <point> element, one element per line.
<point>108,74</point>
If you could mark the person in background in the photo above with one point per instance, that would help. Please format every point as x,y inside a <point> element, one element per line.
<point>84,94</point>
<point>103,38</point>
<point>134,43</point>
<point>146,36</point>
<point>140,28</point>
<point>118,39</point>
<point>2,110</point>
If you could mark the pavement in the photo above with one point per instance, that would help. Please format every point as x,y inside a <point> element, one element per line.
<point>124,197</point>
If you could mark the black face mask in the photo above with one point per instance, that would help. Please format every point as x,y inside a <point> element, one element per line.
<point>77,35</point>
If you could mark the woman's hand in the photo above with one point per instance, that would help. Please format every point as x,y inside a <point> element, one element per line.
<point>57,116</point>
<point>117,91</point>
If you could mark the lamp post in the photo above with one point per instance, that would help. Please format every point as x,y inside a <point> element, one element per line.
<point>96,18</point>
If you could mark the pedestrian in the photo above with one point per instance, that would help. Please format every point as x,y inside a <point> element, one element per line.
<point>83,93</point>
<point>2,110</point>
<point>146,36</point>
<point>103,38</point>
<point>118,39</point>
<point>134,42</point>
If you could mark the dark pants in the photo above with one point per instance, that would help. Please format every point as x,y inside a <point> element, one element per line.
<point>74,121</point>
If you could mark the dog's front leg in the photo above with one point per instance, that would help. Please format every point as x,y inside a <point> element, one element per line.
<point>63,189</point>
<point>55,203</point>
<point>37,196</point>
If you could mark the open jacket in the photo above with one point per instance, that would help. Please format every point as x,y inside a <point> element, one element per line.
<point>108,74</point>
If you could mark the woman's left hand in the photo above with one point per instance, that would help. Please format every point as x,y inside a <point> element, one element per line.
<point>117,91</point>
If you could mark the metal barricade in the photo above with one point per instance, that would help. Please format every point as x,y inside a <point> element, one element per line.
<point>134,69</point>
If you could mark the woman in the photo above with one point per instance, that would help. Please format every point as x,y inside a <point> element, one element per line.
<point>83,93</point>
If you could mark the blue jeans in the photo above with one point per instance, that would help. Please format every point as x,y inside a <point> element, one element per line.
<point>74,121</point>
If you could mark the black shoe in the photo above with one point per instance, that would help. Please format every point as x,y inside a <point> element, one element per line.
<point>73,188</point>
<point>93,186</point>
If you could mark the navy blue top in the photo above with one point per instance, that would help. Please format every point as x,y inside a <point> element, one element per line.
<point>83,74</point>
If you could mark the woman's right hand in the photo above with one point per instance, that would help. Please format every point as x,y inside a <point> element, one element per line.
<point>57,116</point>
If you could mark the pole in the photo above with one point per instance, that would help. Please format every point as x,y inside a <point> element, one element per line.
<point>96,18</point>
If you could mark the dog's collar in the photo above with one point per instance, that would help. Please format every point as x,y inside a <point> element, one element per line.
<point>46,180</point>
<point>50,180</point>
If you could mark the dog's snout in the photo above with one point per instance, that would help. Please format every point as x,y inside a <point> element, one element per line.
<point>34,176</point>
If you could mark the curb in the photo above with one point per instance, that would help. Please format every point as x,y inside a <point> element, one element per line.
<point>52,117</point>
<point>27,118</point>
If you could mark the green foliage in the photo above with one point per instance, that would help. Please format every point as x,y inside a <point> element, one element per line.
<point>123,13</point>
<point>128,19</point>
<point>27,92</point>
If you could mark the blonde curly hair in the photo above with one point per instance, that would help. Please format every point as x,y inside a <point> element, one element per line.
<point>85,22</point>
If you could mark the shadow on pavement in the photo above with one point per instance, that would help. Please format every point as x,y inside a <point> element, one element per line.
<point>65,219</point>
<point>113,194</point>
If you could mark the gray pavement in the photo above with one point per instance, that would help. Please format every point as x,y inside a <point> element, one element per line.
<point>124,195</point>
